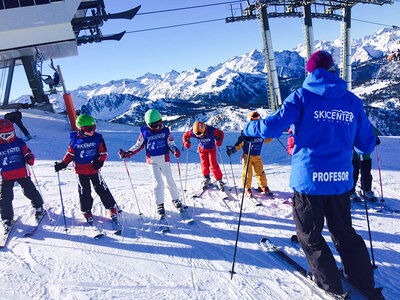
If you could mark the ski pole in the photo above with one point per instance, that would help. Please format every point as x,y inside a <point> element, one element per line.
<point>130,180</point>
<point>370,238</point>
<point>379,168</point>
<point>187,163</point>
<point>104,184</point>
<point>233,176</point>
<point>180,180</point>
<point>62,203</point>
<point>240,214</point>
<point>40,192</point>
<point>223,165</point>
<point>283,146</point>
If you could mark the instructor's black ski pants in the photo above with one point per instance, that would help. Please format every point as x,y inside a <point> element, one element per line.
<point>85,193</point>
<point>309,213</point>
<point>7,195</point>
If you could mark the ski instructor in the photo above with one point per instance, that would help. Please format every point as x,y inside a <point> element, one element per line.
<point>327,121</point>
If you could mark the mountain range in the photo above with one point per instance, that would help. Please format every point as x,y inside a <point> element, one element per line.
<point>223,94</point>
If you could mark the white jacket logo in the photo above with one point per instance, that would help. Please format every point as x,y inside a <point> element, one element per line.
<point>334,115</point>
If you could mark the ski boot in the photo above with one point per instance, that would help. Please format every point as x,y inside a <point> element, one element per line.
<point>355,197</point>
<point>178,204</point>
<point>206,182</point>
<point>220,185</point>
<point>376,293</point>
<point>88,216</point>
<point>6,226</point>
<point>248,193</point>
<point>369,196</point>
<point>264,190</point>
<point>113,213</point>
<point>161,209</point>
<point>39,213</point>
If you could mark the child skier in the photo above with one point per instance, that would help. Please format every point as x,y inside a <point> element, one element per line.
<point>88,150</point>
<point>158,141</point>
<point>290,142</point>
<point>208,138</point>
<point>255,159</point>
<point>14,155</point>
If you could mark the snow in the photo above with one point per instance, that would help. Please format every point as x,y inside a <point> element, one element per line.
<point>189,262</point>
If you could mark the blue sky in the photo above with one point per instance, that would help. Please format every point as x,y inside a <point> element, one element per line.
<point>188,47</point>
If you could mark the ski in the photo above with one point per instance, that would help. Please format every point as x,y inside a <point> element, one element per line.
<point>269,247</point>
<point>185,216</point>
<point>255,201</point>
<point>117,227</point>
<point>224,195</point>
<point>36,225</point>
<point>96,232</point>
<point>203,190</point>
<point>5,236</point>
<point>346,282</point>
<point>162,224</point>
<point>378,207</point>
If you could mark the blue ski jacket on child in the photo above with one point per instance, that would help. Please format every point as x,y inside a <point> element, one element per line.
<point>328,121</point>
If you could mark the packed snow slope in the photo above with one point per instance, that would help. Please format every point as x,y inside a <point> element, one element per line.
<point>191,261</point>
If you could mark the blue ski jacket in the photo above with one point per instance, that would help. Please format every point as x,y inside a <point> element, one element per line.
<point>327,121</point>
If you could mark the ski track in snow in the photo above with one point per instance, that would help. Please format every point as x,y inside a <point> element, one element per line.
<point>191,261</point>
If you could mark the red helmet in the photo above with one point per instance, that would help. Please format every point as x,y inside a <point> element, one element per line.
<point>7,132</point>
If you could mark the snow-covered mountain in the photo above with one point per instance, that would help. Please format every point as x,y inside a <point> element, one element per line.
<point>369,47</point>
<point>240,83</point>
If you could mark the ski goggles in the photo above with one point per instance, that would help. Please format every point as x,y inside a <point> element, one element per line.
<point>156,125</point>
<point>89,128</point>
<point>6,136</point>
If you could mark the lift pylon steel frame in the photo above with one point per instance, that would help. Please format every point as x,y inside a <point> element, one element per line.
<point>306,9</point>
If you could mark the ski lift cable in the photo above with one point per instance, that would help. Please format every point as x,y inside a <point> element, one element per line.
<point>189,7</point>
<point>376,23</point>
<point>176,25</point>
<point>223,19</point>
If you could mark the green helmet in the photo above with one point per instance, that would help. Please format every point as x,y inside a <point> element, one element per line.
<point>152,116</point>
<point>85,120</point>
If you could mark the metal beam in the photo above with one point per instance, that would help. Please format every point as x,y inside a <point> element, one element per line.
<point>35,83</point>
<point>346,67</point>
<point>274,93</point>
<point>9,81</point>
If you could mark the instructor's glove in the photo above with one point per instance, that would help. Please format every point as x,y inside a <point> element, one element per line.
<point>177,153</point>
<point>230,150</point>
<point>186,144</point>
<point>30,160</point>
<point>124,154</point>
<point>59,165</point>
<point>378,141</point>
<point>97,164</point>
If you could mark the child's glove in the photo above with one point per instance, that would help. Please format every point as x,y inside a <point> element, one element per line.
<point>177,153</point>
<point>124,154</point>
<point>186,144</point>
<point>230,150</point>
<point>30,160</point>
<point>218,143</point>
<point>97,164</point>
<point>59,165</point>
<point>378,141</point>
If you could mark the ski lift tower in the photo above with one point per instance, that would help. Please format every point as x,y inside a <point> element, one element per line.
<point>33,31</point>
<point>306,9</point>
